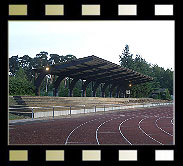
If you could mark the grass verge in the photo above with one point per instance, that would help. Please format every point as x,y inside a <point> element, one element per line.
<point>14,117</point>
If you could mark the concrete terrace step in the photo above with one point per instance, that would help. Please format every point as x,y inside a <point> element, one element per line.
<point>62,104</point>
<point>46,101</point>
<point>41,98</point>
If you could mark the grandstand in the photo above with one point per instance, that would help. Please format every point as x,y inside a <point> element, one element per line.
<point>43,105</point>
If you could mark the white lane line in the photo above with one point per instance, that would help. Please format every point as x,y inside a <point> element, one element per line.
<point>107,132</point>
<point>172,121</point>
<point>145,132</point>
<point>11,128</point>
<point>141,115</point>
<point>161,128</point>
<point>121,131</point>
<point>118,128</point>
<point>96,133</point>
<point>82,125</point>
<point>79,143</point>
<point>77,128</point>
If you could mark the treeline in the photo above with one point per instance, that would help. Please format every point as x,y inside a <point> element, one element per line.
<point>40,60</point>
<point>22,77</point>
<point>163,79</point>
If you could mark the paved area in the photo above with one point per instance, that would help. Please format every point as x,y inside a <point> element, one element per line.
<point>142,126</point>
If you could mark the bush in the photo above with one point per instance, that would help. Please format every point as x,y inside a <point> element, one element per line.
<point>164,95</point>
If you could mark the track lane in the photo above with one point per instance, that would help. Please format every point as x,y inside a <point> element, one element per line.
<point>85,132</point>
<point>148,125</point>
<point>57,131</point>
<point>108,131</point>
<point>165,125</point>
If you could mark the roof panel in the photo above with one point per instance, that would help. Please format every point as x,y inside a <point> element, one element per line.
<point>95,69</point>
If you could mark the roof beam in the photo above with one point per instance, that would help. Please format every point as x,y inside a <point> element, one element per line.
<point>88,75</point>
<point>71,71</point>
<point>106,75</point>
<point>72,63</point>
<point>125,77</point>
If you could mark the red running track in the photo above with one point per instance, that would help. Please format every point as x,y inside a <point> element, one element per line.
<point>142,126</point>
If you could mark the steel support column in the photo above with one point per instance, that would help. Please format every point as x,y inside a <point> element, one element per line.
<point>123,90</point>
<point>119,89</point>
<point>38,82</point>
<point>84,86</point>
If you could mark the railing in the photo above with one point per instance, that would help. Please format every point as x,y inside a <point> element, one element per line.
<point>82,109</point>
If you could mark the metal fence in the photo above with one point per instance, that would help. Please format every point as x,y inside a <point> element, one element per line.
<point>70,110</point>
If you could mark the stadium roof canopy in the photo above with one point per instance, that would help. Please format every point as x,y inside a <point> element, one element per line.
<point>91,69</point>
<point>95,69</point>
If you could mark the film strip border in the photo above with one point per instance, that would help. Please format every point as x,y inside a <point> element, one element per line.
<point>90,10</point>
<point>83,10</point>
<point>89,155</point>
<point>23,155</point>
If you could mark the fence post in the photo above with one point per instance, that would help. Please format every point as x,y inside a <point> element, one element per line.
<point>70,110</point>
<point>53,112</point>
<point>95,109</point>
<point>104,108</point>
<point>84,109</point>
<point>32,113</point>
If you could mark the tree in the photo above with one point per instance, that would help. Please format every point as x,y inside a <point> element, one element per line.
<point>25,62</point>
<point>140,65</point>
<point>163,77</point>
<point>13,64</point>
<point>19,84</point>
<point>41,59</point>
<point>126,59</point>
<point>63,90</point>
<point>54,58</point>
<point>69,57</point>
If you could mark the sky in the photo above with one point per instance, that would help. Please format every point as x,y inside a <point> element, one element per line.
<point>152,40</point>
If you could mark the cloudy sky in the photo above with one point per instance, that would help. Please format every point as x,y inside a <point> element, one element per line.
<point>153,40</point>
